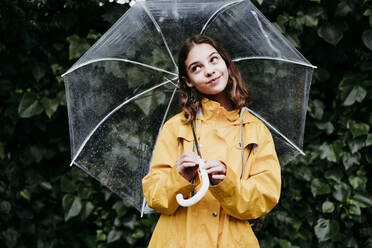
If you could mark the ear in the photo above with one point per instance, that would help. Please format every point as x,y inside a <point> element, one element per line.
<point>187,82</point>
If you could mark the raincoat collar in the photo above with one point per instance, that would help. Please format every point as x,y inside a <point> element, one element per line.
<point>211,108</point>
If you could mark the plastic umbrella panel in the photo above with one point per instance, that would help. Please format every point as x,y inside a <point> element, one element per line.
<point>123,88</point>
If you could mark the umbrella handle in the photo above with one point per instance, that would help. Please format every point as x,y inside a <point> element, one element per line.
<point>202,191</point>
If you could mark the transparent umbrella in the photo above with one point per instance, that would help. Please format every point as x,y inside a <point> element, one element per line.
<point>123,89</point>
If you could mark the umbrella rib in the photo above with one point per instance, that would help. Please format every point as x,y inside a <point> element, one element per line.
<point>276,130</point>
<point>109,114</point>
<point>278,59</point>
<point>161,34</point>
<point>123,60</point>
<point>161,126</point>
<point>171,81</point>
<point>216,12</point>
<point>264,33</point>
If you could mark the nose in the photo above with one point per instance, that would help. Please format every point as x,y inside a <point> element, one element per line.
<point>209,70</point>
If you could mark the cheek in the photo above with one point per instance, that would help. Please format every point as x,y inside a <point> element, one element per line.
<point>223,67</point>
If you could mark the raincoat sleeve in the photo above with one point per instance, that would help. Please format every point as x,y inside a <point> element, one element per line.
<point>255,196</point>
<point>163,182</point>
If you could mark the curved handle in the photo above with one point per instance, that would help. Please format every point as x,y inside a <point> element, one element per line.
<point>202,191</point>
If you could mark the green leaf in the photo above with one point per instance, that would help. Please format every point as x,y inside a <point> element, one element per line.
<point>77,47</point>
<point>38,72</point>
<point>72,206</point>
<point>25,194</point>
<point>341,192</point>
<point>356,144</point>
<point>46,185</point>
<point>50,105</point>
<point>305,174</point>
<point>36,153</point>
<point>334,174</point>
<point>321,75</point>
<point>369,140</point>
<point>29,106</point>
<point>368,155</point>
<point>87,210</point>
<point>368,12</point>
<point>350,159</point>
<point>356,95</point>
<point>331,33</point>
<point>93,36</point>
<point>120,208</point>
<point>322,229</point>
<point>327,126</point>
<point>138,234</point>
<point>113,236</point>
<point>145,104</point>
<point>316,109</point>
<point>342,9</point>
<point>366,65</point>
<point>5,207</point>
<point>354,209</point>
<point>100,235</point>
<point>319,187</point>
<point>367,38</point>
<point>10,236</point>
<point>356,181</point>
<point>363,201</point>
<point>358,129</point>
<point>328,207</point>
<point>293,38</point>
<point>328,152</point>
<point>326,229</point>
<point>311,21</point>
<point>130,224</point>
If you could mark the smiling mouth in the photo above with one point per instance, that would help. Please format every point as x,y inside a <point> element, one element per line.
<point>214,80</point>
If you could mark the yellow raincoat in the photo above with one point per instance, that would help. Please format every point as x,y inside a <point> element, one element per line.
<point>220,219</point>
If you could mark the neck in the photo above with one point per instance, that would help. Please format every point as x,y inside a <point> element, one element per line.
<point>223,100</point>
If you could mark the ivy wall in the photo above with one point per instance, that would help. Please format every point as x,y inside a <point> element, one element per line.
<point>326,196</point>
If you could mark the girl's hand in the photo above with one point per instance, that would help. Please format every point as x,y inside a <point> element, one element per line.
<point>187,165</point>
<point>216,171</point>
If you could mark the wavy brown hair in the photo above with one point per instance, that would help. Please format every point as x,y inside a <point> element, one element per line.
<point>236,89</point>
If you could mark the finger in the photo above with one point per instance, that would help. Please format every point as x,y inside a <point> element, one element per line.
<point>218,177</point>
<point>209,164</point>
<point>189,164</point>
<point>216,170</point>
<point>191,157</point>
<point>187,158</point>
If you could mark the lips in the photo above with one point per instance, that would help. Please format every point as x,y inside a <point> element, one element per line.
<point>214,80</point>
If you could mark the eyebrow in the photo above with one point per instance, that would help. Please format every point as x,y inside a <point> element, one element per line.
<point>210,55</point>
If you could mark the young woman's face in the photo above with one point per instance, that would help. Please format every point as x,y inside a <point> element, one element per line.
<point>206,70</point>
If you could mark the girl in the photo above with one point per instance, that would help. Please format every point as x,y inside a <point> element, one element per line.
<point>238,150</point>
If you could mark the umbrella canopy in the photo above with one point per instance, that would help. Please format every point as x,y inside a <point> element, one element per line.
<point>122,90</point>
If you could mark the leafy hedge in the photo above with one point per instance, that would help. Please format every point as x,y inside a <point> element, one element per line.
<point>326,196</point>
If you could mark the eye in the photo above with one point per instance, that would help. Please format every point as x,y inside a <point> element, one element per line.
<point>195,68</point>
<point>214,59</point>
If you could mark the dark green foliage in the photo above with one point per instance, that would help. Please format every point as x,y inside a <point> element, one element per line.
<point>326,195</point>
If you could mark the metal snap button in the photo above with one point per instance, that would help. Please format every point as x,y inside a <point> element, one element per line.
<point>214,214</point>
